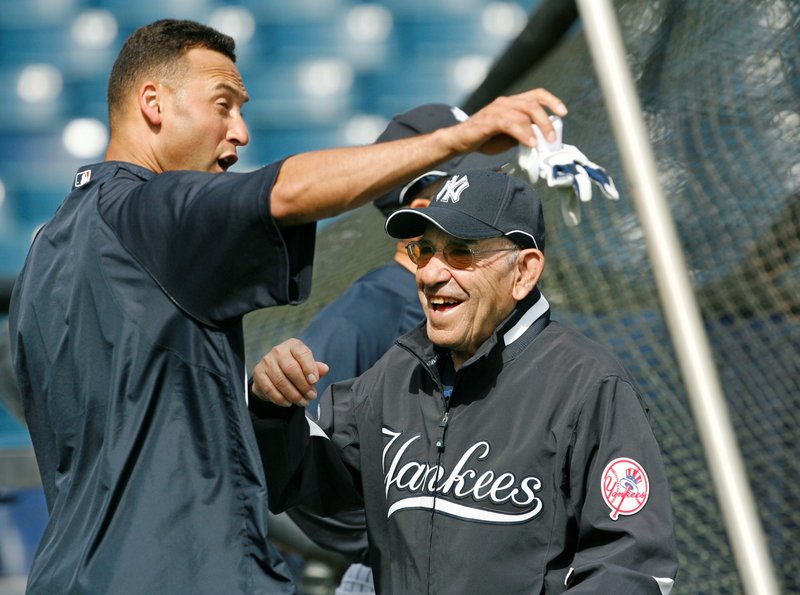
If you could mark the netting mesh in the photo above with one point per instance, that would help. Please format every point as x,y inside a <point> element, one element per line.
<point>720,88</point>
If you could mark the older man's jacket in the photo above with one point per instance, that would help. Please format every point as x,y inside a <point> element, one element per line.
<point>538,473</point>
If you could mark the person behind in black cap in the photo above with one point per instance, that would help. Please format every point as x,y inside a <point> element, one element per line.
<point>351,333</point>
<point>494,450</point>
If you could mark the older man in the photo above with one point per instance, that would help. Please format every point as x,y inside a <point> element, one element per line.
<point>356,329</point>
<point>494,450</point>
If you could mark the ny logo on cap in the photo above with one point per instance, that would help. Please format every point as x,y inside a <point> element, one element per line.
<point>451,191</point>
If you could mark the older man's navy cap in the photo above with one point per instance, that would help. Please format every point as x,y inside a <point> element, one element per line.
<point>475,205</point>
<point>422,120</point>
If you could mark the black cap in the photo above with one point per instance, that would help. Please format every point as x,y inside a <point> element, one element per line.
<point>475,205</point>
<point>422,120</point>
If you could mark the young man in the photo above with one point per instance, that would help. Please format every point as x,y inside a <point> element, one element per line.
<point>494,450</point>
<point>126,320</point>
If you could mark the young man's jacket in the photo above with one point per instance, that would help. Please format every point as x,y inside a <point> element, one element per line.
<point>128,345</point>
<point>539,473</point>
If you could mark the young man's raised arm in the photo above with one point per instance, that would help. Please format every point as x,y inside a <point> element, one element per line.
<point>321,184</point>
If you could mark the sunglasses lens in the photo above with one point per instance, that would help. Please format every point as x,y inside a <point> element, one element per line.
<point>420,253</point>
<point>459,257</point>
<point>456,255</point>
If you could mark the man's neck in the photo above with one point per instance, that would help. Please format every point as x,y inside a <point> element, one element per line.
<point>126,147</point>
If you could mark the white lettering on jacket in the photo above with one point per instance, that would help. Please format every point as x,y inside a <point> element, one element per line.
<point>415,484</point>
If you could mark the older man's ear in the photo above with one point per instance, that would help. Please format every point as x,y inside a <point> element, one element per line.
<point>529,268</point>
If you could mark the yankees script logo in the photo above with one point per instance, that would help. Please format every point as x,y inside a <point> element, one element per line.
<point>452,189</point>
<point>459,491</point>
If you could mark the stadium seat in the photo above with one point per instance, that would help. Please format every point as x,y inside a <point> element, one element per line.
<point>15,238</point>
<point>33,14</point>
<point>295,11</point>
<point>314,91</point>
<point>413,82</point>
<point>271,144</point>
<point>135,13</point>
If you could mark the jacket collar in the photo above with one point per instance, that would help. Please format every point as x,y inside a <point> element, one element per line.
<point>512,335</point>
<point>524,316</point>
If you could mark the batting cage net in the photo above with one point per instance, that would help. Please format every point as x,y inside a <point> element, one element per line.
<point>720,89</point>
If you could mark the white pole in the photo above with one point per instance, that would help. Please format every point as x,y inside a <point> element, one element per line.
<point>678,301</point>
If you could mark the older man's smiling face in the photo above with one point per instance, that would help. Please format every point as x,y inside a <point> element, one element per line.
<point>464,307</point>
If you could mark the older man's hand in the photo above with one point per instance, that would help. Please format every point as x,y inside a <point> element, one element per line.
<point>287,374</point>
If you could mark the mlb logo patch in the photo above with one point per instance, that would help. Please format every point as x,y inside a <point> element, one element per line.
<point>83,177</point>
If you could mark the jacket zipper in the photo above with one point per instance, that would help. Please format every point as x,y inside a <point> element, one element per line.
<point>443,428</point>
<point>430,366</point>
<point>440,443</point>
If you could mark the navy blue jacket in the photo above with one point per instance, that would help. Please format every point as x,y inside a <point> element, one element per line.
<point>126,329</point>
<point>538,474</point>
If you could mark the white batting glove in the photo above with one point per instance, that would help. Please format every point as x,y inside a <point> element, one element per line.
<point>564,166</point>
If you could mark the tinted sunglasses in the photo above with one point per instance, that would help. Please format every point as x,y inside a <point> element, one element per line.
<point>458,256</point>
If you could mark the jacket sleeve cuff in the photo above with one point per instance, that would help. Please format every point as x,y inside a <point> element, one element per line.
<point>263,409</point>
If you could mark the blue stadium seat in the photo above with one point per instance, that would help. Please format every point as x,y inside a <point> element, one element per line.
<point>412,83</point>
<point>274,11</point>
<point>34,44</point>
<point>23,517</point>
<point>432,9</point>
<point>85,97</point>
<point>79,96</point>
<point>36,172</point>
<point>14,242</point>
<point>17,117</point>
<point>300,93</point>
<point>36,13</point>
<point>300,39</point>
<point>37,157</point>
<point>334,37</point>
<point>273,143</point>
<point>452,34</point>
<point>35,205</point>
<point>13,434</point>
<point>132,14</point>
